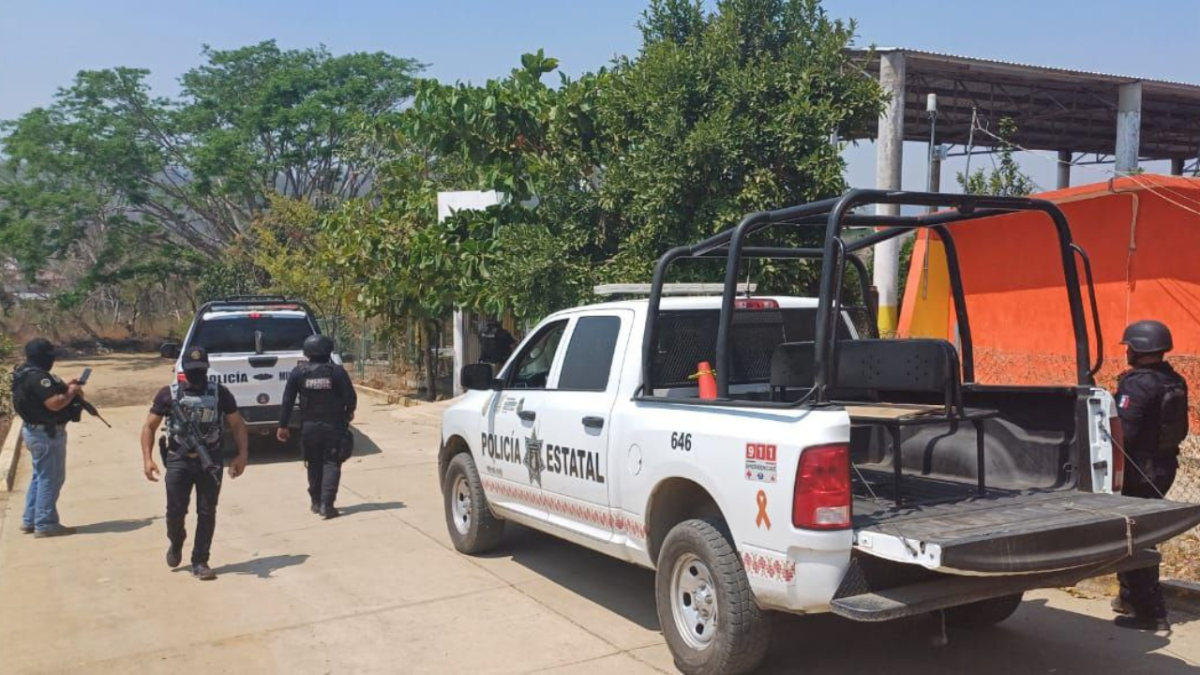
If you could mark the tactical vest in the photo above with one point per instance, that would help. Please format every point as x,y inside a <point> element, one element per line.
<point>1173,418</point>
<point>320,401</point>
<point>32,410</point>
<point>201,409</point>
<point>1168,423</point>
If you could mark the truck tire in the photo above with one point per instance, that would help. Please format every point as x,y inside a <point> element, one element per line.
<point>473,527</point>
<point>707,611</point>
<point>984,613</point>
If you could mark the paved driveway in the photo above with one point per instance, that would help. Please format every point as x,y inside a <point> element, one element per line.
<point>381,590</point>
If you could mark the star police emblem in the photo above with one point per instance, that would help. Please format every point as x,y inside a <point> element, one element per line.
<point>533,458</point>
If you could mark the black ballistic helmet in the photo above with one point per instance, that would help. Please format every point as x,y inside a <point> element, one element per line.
<point>318,346</point>
<point>1148,337</point>
<point>39,347</point>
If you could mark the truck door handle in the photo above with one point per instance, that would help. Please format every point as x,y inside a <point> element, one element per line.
<point>527,415</point>
<point>593,422</point>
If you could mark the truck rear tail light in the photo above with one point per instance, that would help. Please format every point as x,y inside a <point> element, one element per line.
<point>756,303</point>
<point>1118,454</point>
<point>821,500</point>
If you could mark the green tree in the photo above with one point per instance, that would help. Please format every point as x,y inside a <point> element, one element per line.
<point>111,175</point>
<point>718,115</point>
<point>723,114</point>
<point>1007,179</point>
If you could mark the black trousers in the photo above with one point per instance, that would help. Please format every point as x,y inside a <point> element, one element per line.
<point>1139,588</point>
<point>320,440</point>
<point>184,475</point>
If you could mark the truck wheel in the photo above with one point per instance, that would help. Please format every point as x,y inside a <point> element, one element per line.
<point>984,613</point>
<point>708,614</point>
<point>473,527</point>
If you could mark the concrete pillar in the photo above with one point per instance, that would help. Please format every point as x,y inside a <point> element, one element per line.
<point>1129,126</point>
<point>466,339</point>
<point>1176,166</point>
<point>1064,169</point>
<point>889,156</point>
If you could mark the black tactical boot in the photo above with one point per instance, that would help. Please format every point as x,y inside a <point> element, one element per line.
<point>1120,606</point>
<point>203,572</point>
<point>174,555</point>
<point>329,511</point>
<point>316,507</point>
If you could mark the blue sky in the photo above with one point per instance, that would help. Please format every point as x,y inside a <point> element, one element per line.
<point>43,43</point>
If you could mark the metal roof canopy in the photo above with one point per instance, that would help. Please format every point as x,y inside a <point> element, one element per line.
<point>1055,108</point>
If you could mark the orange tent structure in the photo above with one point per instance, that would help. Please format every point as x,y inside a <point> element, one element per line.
<point>1142,234</point>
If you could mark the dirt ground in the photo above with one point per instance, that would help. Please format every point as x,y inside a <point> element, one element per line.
<point>381,589</point>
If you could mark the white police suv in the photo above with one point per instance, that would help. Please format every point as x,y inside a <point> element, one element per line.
<point>253,343</point>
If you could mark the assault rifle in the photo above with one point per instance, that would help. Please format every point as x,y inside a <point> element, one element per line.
<point>79,405</point>
<point>192,441</point>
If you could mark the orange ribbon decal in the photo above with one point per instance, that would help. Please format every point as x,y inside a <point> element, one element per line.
<point>762,511</point>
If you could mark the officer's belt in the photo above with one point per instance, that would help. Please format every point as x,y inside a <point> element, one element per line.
<point>55,426</point>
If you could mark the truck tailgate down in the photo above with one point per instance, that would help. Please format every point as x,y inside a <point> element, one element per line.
<point>1019,532</point>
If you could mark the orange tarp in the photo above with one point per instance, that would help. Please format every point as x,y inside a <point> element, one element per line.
<point>1142,234</point>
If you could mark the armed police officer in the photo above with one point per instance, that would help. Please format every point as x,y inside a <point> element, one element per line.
<point>327,403</point>
<point>194,409</point>
<point>45,404</point>
<point>1152,404</point>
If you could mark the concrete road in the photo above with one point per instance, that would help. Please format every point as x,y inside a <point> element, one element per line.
<point>381,590</point>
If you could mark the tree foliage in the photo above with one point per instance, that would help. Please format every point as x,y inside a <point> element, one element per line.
<point>111,174</point>
<point>719,114</point>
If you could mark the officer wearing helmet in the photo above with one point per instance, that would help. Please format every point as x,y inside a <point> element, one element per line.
<point>327,403</point>
<point>1152,404</point>
<point>193,406</point>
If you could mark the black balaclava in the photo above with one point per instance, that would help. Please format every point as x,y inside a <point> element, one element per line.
<point>197,378</point>
<point>40,353</point>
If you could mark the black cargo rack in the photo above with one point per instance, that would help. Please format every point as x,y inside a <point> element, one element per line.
<point>833,215</point>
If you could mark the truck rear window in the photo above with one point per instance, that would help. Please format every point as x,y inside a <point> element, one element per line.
<point>279,334</point>
<point>687,337</point>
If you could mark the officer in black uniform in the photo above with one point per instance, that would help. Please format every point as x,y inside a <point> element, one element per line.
<point>1152,403</point>
<point>327,403</point>
<point>45,404</point>
<point>207,405</point>
<point>496,343</point>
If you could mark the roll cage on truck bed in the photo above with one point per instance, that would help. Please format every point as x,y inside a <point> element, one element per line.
<point>897,483</point>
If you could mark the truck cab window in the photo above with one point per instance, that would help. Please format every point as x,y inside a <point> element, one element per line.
<point>532,368</point>
<point>590,354</point>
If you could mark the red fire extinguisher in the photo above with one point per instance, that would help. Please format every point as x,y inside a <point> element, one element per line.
<point>707,380</point>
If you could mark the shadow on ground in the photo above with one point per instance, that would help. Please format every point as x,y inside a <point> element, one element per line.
<point>115,526</point>
<point>1038,638</point>
<point>368,508</point>
<point>259,567</point>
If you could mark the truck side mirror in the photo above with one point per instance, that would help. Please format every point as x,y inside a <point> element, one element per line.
<point>477,377</point>
<point>169,350</point>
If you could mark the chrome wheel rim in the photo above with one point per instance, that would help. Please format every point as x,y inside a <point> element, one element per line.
<point>694,601</point>
<point>460,505</point>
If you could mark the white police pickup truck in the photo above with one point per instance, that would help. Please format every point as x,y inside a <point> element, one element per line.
<point>253,343</point>
<point>831,472</point>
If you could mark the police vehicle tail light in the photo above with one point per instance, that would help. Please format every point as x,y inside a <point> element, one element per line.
<point>756,303</point>
<point>1118,454</point>
<point>821,500</point>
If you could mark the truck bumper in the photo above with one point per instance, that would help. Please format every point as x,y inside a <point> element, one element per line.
<point>951,591</point>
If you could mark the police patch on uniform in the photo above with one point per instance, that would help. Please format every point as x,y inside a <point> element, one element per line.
<point>45,383</point>
<point>318,383</point>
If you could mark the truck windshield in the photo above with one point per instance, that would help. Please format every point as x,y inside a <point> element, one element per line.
<point>237,334</point>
